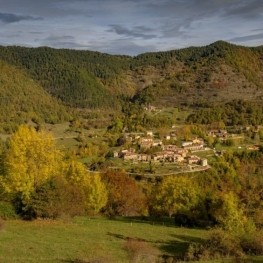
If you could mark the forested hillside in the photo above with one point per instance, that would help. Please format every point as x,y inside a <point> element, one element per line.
<point>22,99</point>
<point>216,73</point>
<point>193,77</point>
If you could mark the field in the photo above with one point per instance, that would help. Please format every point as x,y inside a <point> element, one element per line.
<point>89,240</point>
<point>94,240</point>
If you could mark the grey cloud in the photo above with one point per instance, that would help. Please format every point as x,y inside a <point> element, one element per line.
<point>61,42</point>
<point>124,46</point>
<point>12,18</point>
<point>247,38</point>
<point>246,9</point>
<point>137,32</point>
<point>59,38</point>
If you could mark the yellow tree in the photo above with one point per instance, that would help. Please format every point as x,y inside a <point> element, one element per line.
<point>96,194</point>
<point>30,160</point>
<point>175,194</point>
<point>231,215</point>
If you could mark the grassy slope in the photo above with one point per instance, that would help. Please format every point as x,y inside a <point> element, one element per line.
<point>84,239</point>
<point>93,240</point>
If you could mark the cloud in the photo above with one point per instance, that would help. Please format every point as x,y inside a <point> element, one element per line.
<point>247,38</point>
<point>130,26</point>
<point>123,47</point>
<point>8,18</point>
<point>66,41</point>
<point>245,9</point>
<point>137,31</point>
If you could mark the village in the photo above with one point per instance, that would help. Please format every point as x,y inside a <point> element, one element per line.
<point>146,148</point>
<point>149,148</point>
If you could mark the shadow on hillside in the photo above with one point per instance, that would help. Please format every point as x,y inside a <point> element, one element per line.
<point>97,260</point>
<point>165,221</point>
<point>179,244</point>
<point>119,236</point>
<point>176,247</point>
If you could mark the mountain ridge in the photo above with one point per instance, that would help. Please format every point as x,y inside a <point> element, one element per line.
<point>215,73</point>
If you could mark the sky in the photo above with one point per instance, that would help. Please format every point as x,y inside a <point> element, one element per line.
<point>130,27</point>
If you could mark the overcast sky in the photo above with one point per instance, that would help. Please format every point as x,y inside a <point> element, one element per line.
<point>130,26</point>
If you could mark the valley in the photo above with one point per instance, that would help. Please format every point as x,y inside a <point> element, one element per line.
<point>154,158</point>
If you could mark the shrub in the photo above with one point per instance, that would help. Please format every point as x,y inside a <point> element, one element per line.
<point>219,244</point>
<point>140,251</point>
<point>253,244</point>
<point>54,199</point>
<point>7,210</point>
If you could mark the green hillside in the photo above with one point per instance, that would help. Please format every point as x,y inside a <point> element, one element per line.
<point>216,73</point>
<point>23,100</point>
<point>193,76</point>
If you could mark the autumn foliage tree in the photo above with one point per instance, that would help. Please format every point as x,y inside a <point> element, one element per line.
<point>42,183</point>
<point>125,198</point>
<point>90,184</point>
<point>175,194</point>
<point>30,160</point>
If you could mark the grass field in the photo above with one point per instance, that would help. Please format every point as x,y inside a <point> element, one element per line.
<point>89,240</point>
<point>97,240</point>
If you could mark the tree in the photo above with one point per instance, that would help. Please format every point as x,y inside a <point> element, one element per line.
<point>31,159</point>
<point>125,198</point>
<point>54,198</point>
<point>231,216</point>
<point>95,192</point>
<point>175,194</point>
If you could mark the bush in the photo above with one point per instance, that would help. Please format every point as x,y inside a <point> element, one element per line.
<point>7,210</point>
<point>253,244</point>
<point>219,244</point>
<point>54,199</point>
<point>140,251</point>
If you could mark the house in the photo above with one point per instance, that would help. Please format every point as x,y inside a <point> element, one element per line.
<point>167,137</point>
<point>170,147</point>
<point>146,143</point>
<point>149,133</point>
<point>218,133</point>
<point>185,144</point>
<point>115,154</point>
<point>144,157</point>
<point>193,159</point>
<point>204,162</point>
<point>157,143</point>
<point>130,156</point>
<point>194,145</point>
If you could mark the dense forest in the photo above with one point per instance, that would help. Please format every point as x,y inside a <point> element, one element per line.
<point>217,72</point>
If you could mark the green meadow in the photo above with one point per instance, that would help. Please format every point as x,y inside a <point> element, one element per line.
<point>92,240</point>
<point>97,240</point>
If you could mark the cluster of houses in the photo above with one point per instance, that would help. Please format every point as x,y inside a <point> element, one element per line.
<point>169,153</point>
<point>218,133</point>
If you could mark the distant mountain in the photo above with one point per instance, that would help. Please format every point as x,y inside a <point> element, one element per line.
<point>213,74</point>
